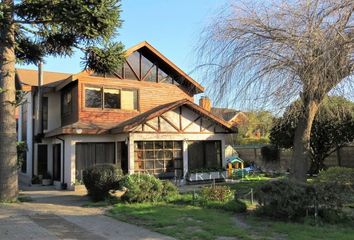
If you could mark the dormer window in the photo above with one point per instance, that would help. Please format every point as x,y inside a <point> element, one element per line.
<point>111,98</point>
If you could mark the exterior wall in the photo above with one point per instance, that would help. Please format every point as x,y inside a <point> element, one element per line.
<point>150,95</point>
<point>70,157</point>
<point>74,115</point>
<point>54,119</point>
<point>27,177</point>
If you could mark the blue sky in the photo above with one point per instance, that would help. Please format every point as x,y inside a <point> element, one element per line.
<point>171,26</point>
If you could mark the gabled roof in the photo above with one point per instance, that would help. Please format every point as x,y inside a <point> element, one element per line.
<point>146,46</point>
<point>30,77</point>
<point>131,123</point>
<point>225,113</point>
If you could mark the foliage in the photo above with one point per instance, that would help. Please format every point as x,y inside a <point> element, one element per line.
<point>100,179</point>
<point>235,205</point>
<point>216,193</point>
<point>35,180</point>
<point>146,188</point>
<point>256,129</point>
<point>22,148</point>
<point>169,190</point>
<point>332,128</point>
<point>270,153</point>
<point>340,175</point>
<point>284,199</point>
<point>290,200</point>
<point>61,26</point>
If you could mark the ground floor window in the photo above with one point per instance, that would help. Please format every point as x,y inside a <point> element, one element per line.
<point>161,158</point>
<point>204,154</point>
<point>90,154</point>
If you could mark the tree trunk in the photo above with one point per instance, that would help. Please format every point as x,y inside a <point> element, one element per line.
<point>8,155</point>
<point>301,156</point>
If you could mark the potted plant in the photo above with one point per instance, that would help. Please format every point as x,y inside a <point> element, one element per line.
<point>47,179</point>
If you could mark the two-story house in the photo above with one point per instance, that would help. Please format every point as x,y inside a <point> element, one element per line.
<point>142,118</point>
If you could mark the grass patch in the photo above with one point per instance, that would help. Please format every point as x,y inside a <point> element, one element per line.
<point>293,231</point>
<point>180,221</point>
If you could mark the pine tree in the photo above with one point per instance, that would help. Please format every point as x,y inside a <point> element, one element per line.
<point>33,29</point>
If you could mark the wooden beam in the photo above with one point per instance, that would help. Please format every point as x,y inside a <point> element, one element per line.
<point>195,120</point>
<point>131,68</point>
<point>148,73</point>
<point>149,125</point>
<point>169,122</point>
<point>180,118</point>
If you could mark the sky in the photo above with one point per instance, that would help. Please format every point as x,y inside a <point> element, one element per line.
<point>171,26</point>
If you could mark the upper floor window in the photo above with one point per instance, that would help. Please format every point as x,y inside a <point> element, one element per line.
<point>111,98</point>
<point>67,102</point>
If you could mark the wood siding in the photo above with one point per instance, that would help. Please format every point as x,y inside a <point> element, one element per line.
<point>150,95</point>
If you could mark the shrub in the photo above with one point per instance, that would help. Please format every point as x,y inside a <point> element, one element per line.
<point>270,153</point>
<point>142,188</point>
<point>100,179</point>
<point>284,199</point>
<point>340,175</point>
<point>216,193</point>
<point>169,191</point>
<point>234,205</point>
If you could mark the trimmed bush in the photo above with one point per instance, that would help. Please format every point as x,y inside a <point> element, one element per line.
<point>216,193</point>
<point>142,188</point>
<point>100,179</point>
<point>284,199</point>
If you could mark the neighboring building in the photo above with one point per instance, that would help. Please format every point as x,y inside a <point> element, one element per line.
<point>232,116</point>
<point>142,118</point>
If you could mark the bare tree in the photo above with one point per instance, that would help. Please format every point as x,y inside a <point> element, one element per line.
<point>280,51</point>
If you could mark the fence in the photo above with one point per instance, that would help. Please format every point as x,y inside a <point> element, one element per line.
<point>343,157</point>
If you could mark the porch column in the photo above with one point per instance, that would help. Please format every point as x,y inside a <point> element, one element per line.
<point>185,158</point>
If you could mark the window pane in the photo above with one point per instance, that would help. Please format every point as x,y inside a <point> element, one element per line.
<point>134,62</point>
<point>129,72</point>
<point>129,100</point>
<point>111,98</point>
<point>146,65</point>
<point>45,113</point>
<point>161,75</point>
<point>93,97</point>
<point>67,102</point>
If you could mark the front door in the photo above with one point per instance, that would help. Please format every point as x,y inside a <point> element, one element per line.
<point>42,159</point>
<point>122,156</point>
<point>56,162</point>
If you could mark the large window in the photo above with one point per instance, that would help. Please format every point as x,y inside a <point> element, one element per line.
<point>204,154</point>
<point>161,158</point>
<point>111,98</point>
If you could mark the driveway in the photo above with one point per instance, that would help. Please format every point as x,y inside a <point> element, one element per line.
<point>53,214</point>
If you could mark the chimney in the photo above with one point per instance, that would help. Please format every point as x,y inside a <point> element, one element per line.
<point>205,103</point>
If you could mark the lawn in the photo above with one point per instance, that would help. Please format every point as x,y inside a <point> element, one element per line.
<point>183,219</point>
<point>180,221</point>
<point>191,222</point>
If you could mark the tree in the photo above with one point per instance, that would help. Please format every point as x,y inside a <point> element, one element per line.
<point>32,29</point>
<point>333,127</point>
<point>276,52</point>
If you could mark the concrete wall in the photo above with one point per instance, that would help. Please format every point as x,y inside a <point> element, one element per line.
<point>54,118</point>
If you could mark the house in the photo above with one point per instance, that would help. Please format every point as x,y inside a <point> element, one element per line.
<point>141,118</point>
<point>232,116</point>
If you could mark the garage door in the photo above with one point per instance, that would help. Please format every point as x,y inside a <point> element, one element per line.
<point>90,154</point>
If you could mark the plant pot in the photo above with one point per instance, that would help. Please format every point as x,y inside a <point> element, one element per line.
<point>46,182</point>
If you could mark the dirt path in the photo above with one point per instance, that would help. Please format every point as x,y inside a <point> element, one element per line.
<point>60,215</point>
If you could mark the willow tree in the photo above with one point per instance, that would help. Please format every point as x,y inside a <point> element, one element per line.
<point>33,29</point>
<point>281,51</point>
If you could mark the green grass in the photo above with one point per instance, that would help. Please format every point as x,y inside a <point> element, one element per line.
<point>294,231</point>
<point>180,221</point>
